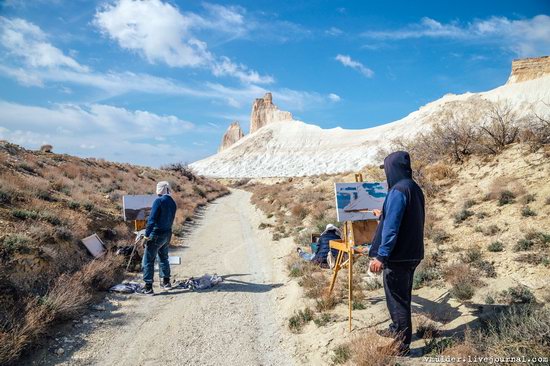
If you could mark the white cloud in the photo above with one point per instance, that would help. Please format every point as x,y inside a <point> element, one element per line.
<point>524,37</point>
<point>96,130</point>
<point>226,67</point>
<point>334,97</point>
<point>155,29</point>
<point>27,42</point>
<point>356,65</point>
<point>159,32</point>
<point>334,31</point>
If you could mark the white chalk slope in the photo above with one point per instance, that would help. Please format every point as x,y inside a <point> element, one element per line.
<point>295,148</point>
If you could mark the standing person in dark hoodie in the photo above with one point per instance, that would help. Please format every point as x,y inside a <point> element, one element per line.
<point>398,245</point>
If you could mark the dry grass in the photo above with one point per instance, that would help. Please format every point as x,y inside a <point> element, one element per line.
<point>47,203</point>
<point>369,349</point>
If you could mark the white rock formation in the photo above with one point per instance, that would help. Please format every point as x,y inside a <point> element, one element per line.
<point>298,149</point>
<point>264,112</point>
<point>233,134</point>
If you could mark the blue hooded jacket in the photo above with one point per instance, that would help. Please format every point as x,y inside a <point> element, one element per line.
<point>162,216</point>
<point>400,233</point>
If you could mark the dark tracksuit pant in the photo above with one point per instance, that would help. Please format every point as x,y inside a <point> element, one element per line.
<point>398,283</point>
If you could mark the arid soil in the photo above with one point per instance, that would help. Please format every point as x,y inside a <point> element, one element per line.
<point>238,322</point>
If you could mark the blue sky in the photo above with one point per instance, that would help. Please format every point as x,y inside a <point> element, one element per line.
<point>158,81</point>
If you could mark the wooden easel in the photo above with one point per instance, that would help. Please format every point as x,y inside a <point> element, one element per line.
<point>355,233</point>
<point>138,225</point>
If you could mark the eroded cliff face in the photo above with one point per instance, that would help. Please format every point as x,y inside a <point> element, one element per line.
<point>265,112</point>
<point>529,68</point>
<point>233,134</point>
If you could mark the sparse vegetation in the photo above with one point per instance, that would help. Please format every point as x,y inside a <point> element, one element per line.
<point>299,319</point>
<point>49,202</point>
<point>517,295</point>
<point>462,215</point>
<point>495,246</point>
<point>506,197</point>
<point>526,211</point>
<point>341,355</point>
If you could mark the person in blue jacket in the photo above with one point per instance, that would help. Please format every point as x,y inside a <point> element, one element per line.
<point>158,233</point>
<point>398,245</point>
<point>322,247</point>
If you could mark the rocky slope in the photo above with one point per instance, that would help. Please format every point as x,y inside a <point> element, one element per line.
<point>297,148</point>
<point>233,134</point>
<point>529,69</point>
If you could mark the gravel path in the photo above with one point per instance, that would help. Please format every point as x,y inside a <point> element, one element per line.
<point>233,324</point>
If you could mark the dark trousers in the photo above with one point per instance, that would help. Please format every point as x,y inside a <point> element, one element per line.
<point>398,282</point>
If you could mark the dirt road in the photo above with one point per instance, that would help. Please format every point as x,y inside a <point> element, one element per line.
<point>233,324</point>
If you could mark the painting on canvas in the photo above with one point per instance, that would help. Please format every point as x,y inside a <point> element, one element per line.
<point>137,207</point>
<point>355,201</point>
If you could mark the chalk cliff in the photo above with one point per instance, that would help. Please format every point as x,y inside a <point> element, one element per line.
<point>264,112</point>
<point>529,69</point>
<point>233,134</point>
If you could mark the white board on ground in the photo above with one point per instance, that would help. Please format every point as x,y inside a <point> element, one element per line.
<point>137,207</point>
<point>94,245</point>
<point>355,201</point>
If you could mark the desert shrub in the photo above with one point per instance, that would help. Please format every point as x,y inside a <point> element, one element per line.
<point>15,243</point>
<point>462,215</point>
<point>516,331</point>
<point>68,297</point>
<point>523,244</point>
<point>178,230</point>
<point>299,211</point>
<point>528,198</point>
<point>27,168</point>
<point>462,279</point>
<point>495,246</point>
<point>538,238</point>
<point>468,203</point>
<point>372,284</point>
<point>51,218</point>
<point>342,354</point>
<point>501,128</point>
<point>182,169</point>
<point>6,196</point>
<point>491,230</point>
<point>24,214</point>
<point>526,211</point>
<point>534,258</point>
<point>427,329</point>
<point>323,319</point>
<point>88,206</point>
<point>325,303</point>
<point>425,276</point>
<point>471,255</point>
<point>517,295</point>
<point>297,321</point>
<point>506,197</point>
<point>358,305</point>
<point>536,132</point>
<point>481,215</point>
<point>437,346</point>
<point>439,236</point>
<point>369,349</point>
<point>462,290</point>
<point>489,299</point>
<point>73,205</point>
<point>488,268</point>
<point>63,233</point>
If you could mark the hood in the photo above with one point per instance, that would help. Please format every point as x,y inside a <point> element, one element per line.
<point>397,166</point>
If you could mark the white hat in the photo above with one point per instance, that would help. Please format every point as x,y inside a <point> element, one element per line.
<point>163,188</point>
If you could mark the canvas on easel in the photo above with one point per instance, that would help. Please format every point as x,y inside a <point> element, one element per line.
<point>358,206</point>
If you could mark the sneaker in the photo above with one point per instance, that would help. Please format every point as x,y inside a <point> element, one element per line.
<point>166,284</point>
<point>147,290</point>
